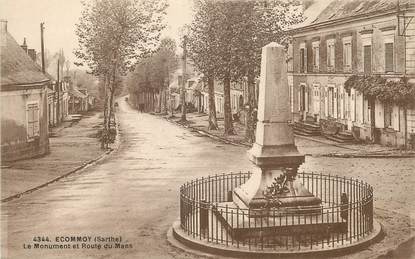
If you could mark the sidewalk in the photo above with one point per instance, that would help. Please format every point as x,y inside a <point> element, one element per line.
<point>314,146</point>
<point>72,147</point>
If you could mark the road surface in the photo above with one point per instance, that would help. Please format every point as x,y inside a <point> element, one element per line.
<point>134,195</point>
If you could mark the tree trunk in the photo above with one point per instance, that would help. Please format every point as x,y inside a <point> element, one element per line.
<point>213,123</point>
<point>405,121</point>
<point>372,118</point>
<point>104,131</point>
<point>152,101</point>
<point>183,91</point>
<point>227,105</point>
<point>250,120</point>
<point>159,100</point>
<point>164,101</point>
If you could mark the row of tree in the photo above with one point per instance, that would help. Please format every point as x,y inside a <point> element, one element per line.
<point>112,36</point>
<point>225,40</point>
<point>152,75</point>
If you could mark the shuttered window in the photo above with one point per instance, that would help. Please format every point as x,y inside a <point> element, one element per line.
<point>302,60</point>
<point>388,115</point>
<point>367,59</point>
<point>347,55</point>
<point>330,55</point>
<point>316,57</point>
<point>388,57</point>
<point>32,120</point>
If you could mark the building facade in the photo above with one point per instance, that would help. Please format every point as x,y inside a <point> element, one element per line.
<point>23,102</point>
<point>372,37</point>
<point>237,98</point>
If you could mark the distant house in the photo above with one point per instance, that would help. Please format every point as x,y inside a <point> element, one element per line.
<point>78,101</point>
<point>23,102</point>
<point>174,89</point>
<point>237,98</point>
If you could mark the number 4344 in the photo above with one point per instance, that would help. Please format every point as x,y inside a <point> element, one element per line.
<point>41,239</point>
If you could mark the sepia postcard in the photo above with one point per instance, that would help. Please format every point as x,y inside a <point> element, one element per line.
<point>207,129</point>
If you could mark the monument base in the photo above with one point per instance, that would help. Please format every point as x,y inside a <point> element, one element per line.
<point>278,156</point>
<point>241,226</point>
<point>258,193</point>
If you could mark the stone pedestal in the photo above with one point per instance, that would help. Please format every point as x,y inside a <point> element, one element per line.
<point>274,152</point>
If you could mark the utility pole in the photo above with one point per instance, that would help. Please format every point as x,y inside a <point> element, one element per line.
<point>183,92</point>
<point>42,46</point>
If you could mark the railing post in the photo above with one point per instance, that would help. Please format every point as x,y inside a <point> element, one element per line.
<point>229,197</point>
<point>344,200</point>
<point>204,217</point>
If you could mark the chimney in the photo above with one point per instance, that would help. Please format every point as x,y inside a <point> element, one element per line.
<point>24,46</point>
<point>3,25</point>
<point>32,54</point>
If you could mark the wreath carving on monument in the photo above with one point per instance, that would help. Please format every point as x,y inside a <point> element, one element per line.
<point>278,186</point>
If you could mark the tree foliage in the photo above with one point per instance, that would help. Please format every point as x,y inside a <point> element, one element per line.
<point>112,35</point>
<point>399,92</point>
<point>226,38</point>
<point>152,73</point>
<point>118,31</point>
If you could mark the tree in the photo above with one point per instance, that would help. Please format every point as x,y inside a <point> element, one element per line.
<point>226,41</point>
<point>164,61</point>
<point>202,49</point>
<point>259,23</point>
<point>47,57</point>
<point>61,57</point>
<point>152,73</point>
<point>112,35</point>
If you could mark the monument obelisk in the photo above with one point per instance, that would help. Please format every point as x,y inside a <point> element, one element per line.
<point>274,153</point>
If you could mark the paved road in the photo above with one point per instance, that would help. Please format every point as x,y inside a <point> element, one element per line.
<point>134,194</point>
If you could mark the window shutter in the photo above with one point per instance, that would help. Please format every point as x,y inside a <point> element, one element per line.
<point>379,116</point>
<point>352,105</point>
<point>395,117</point>
<point>326,103</point>
<point>341,101</point>
<point>389,57</point>
<point>30,130</point>
<point>368,59</point>
<point>318,57</point>
<point>335,102</point>
<point>299,98</point>
<point>302,60</point>
<point>305,59</point>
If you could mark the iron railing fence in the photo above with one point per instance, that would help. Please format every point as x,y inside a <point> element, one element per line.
<point>345,217</point>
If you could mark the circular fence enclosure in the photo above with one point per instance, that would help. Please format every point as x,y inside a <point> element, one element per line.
<point>208,217</point>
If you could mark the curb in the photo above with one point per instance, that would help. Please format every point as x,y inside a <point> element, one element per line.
<point>77,169</point>
<point>339,155</point>
<point>373,155</point>
<point>205,133</point>
<point>189,244</point>
<point>325,142</point>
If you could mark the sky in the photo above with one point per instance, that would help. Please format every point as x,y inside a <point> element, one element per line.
<point>60,16</point>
